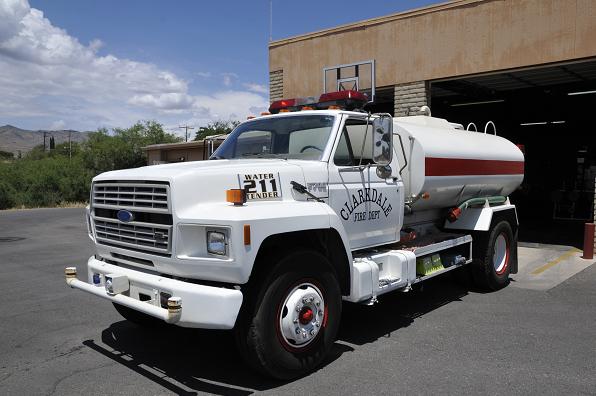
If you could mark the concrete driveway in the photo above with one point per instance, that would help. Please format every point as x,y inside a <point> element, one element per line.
<point>537,336</point>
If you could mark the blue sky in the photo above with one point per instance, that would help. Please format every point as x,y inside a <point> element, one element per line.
<point>86,64</point>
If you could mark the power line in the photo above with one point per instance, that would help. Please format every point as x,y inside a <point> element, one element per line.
<point>186,128</point>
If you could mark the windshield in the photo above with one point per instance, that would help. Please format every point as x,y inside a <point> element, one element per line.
<point>296,137</point>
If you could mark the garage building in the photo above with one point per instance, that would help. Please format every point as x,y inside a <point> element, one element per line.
<point>529,66</point>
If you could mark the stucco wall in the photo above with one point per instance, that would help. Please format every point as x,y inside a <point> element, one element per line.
<point>451,39</point>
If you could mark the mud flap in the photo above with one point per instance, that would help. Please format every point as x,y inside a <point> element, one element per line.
<point>513,268</point>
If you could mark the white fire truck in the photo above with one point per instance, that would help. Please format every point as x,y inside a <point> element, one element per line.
<point>296,212</point>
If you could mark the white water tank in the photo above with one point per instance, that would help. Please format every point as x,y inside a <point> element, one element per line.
<point>449,165</point>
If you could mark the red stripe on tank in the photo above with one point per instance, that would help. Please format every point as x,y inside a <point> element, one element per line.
<point>463,167</point>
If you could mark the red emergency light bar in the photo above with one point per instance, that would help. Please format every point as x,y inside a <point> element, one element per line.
<point>347,100</point>
<point>291,104</point>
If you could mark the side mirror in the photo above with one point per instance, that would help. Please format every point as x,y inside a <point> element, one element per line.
<point>382,139</point>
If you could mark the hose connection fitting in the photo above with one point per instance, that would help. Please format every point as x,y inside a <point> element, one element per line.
<point>453,214</point>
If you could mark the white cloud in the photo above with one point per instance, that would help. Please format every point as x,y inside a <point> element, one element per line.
<point>228,78</point>
<point>166,101</point>
<point>235,105</point>
<point>256,88</point>
<point>48,75</point>
<point>57,125</point>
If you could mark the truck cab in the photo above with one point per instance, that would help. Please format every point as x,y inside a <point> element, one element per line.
<point>294,213</point>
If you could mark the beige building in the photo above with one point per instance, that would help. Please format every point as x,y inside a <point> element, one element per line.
<point>527,65</point>
<point>445,41</point>
<point>182,152</point>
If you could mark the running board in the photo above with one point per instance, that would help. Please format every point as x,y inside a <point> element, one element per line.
<point>378,272</point>
<point>439,272</point>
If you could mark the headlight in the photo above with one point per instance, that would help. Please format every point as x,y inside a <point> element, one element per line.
<point>216,243</point>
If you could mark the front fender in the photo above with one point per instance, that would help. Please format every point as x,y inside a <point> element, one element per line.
<point>265,219</point>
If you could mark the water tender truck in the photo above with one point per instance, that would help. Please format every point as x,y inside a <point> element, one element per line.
<point>296,213</point>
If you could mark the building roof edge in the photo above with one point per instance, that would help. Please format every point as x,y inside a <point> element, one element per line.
<point>376,21</point>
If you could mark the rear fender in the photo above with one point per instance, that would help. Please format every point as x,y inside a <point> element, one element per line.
<point>479,221</point>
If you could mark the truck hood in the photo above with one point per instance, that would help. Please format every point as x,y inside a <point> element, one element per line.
<point>193,183</point>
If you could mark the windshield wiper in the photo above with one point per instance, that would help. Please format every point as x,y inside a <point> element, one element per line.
<point>303,190</point>
<point>262,155</point>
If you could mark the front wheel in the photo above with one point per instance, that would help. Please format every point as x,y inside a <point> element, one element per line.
<point>289,328</point>
<point>493,255</point>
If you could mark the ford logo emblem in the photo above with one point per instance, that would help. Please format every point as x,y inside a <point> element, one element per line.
<point>125,216</point>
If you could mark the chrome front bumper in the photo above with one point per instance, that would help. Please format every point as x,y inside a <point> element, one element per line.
<point>189,304</point>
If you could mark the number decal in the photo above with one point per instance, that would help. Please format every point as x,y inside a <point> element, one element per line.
<point>260,186</point>
<point>250,186</point>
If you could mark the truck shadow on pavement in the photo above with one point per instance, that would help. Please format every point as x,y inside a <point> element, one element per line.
<point>207,361</point>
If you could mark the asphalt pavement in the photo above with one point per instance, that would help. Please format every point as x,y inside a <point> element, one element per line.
<point>444,339</point>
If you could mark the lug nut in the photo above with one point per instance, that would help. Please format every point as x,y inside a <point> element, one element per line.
<point>297,330</point>
<point>296,320</point>
<point>311,299</point>
<point>317,324</point>
<point>317,303</point>
<point>304,334</point>
<point>304,300</point>
<point>312,332</point>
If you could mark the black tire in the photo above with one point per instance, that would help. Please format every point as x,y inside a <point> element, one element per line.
<point>486,274</point>
<point>259,331</point>
<point>137,317</point>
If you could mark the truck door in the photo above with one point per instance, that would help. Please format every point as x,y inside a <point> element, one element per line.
<point>371,207</point>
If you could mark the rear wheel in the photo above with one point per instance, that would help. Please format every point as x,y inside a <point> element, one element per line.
<point>493,257</point>
<point>289,327</point>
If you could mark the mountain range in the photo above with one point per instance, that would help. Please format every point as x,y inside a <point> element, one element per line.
<point>15,139</point>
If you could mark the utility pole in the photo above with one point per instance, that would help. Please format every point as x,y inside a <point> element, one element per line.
<point>270,20</point>
<point>44,141</point>
<point>69,146</point>
<point>186,128</point>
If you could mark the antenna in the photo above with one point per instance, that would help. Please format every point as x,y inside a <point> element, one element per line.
<point>270,20</point>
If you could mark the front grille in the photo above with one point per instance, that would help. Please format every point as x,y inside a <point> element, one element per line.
<point>149,238</point>
<point>150,197</point>
<point>149,232</point>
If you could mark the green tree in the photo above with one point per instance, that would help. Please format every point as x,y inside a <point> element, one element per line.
<point>123,149</point>
<point>47,178</point>
<point>7,195</point>
<point>216,128</point>
<point>6,155</point>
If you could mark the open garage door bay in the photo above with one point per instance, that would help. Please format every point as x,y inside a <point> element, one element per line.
<point>550,113</point>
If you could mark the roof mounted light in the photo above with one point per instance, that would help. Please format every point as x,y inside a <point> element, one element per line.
<point>348,100</point>
<point>291,104</point>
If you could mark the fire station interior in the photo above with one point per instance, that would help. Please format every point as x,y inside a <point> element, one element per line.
<point>550,113</point>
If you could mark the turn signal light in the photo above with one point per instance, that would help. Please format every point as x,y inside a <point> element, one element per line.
<point>246,234</point>
<point>307,108</point>
<point>236,196</point>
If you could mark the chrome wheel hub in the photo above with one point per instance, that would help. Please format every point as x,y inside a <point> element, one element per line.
<point>501,254</point>
<point>301,316</point>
